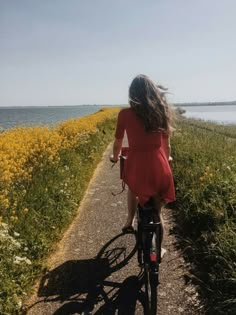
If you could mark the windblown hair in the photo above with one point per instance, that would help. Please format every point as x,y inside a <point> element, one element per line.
<point>149,103</point>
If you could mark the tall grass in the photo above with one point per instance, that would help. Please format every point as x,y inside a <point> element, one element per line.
<point>44,173</point>
<point>205,174</point>
<point>225,130</point>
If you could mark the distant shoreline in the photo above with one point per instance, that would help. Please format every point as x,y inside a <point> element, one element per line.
<point>52,106</point>
<point>206,104</point>
<point>121,105</point>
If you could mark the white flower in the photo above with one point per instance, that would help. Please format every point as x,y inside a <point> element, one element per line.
<point>8,240</point>
<point>17,301</point>
<point>16,234</point>
<point>15,243</point>
<point>4,226</point>
<point>19,260</point>
<point>27,261</point>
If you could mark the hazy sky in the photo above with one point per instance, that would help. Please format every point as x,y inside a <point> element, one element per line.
<point>58,52</point>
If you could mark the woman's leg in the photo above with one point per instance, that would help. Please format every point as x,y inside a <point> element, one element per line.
<point>158,205</point>
<point>132,207</point>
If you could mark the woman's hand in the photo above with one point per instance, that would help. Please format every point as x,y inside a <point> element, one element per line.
<point>112,159</point>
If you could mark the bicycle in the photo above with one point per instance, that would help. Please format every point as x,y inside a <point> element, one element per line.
<point>148,239</point>
<point>149,236</point>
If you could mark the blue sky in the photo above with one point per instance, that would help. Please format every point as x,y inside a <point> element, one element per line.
<point>58,52</point>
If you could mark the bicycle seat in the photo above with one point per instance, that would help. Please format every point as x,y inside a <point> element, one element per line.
<point>148,206</point>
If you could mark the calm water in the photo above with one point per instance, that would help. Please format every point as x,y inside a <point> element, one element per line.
<point>31,116</point>
<point>224,114</point>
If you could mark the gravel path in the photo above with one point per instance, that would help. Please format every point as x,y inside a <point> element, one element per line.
<point>94,269</point>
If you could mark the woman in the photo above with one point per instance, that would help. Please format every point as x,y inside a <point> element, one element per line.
<point>148,124</point>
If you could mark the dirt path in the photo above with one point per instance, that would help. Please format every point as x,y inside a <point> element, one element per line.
<point>95,270</point>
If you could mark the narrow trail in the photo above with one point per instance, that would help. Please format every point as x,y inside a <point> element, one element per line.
<point>94,269</point>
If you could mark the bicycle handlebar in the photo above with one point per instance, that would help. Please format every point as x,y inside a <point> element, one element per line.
<point>121,157</point>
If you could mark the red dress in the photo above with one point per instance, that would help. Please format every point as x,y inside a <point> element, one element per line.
<point>147,171</point>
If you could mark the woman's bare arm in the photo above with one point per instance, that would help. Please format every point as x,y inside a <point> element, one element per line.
<point>116,149</point>
<point>167,147</point>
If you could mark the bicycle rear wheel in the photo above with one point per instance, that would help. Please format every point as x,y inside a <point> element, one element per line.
<point>151,272</point>
<point>151,284</point>
<point>153,280</point>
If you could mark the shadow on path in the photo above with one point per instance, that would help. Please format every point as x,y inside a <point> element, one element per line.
<point>82,287</point>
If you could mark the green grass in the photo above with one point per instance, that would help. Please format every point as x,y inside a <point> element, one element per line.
<point>44,211</point>
<point>204,169</point>
<point>205,175</point>
<point>225,130</point>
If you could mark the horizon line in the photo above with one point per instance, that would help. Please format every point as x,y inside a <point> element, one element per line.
<point>175,104</point>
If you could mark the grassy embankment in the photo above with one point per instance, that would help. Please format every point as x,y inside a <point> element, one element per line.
<point>43,175</point>
<point>205,174</point>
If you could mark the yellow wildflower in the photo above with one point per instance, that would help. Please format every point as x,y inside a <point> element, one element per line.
<point>24,148</point>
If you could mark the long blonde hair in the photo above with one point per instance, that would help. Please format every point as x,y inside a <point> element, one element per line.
<point>149,103</point>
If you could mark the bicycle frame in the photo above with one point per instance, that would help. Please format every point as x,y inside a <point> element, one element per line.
<point>149,251</point>
<point>149,238</point>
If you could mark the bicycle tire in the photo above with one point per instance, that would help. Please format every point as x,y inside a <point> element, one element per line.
<point>149,239</point>
<point>151,278</point>
<point>153,281</point>
<point>151,287</point>
<point>147,293</point>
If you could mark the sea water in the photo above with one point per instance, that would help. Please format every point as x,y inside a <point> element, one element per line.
<point>31,116</point>
<point>223,114</point>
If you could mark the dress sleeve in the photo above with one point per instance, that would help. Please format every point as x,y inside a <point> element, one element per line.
<point>120,127</point>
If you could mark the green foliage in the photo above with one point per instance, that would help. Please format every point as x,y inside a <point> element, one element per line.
<point>204,169</point>
<point>225,130</point>
<point>44,211</point>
